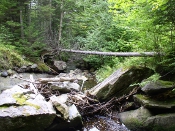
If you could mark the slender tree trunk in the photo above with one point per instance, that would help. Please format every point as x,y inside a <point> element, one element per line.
<point>50,19</point>
<point>21,23</point>
<point>118,54</point>
<point>61,23</point>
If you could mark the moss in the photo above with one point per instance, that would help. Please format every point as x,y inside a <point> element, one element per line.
<point>135,123</point>
<point>166,83</point>
<point>43,67</point>
<point>10,58</point>
<point>3,107</point>
<point>22,100</point>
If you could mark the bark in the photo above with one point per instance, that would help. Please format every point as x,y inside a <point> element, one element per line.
<point>61,23</point>
<point>21,23</point>
<point>121,54</point>
<point>60,79</point>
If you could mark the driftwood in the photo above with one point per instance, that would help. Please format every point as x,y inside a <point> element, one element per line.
<point>118,54</point>
<point>60,79</point>
<point>86,103</point>
<point>89,104</point>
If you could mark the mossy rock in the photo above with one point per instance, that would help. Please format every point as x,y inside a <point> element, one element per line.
<point>159,86</point>
<point>135,119</point>
<point>119,82</point>
<point>152,103</point>
<point>43,67</point>
<point>162,122</point>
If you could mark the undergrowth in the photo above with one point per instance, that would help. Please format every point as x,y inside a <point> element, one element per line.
<point>10,58</point>
<point>107,70</point>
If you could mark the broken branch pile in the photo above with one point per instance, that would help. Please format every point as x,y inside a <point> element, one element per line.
<point>86,103</point>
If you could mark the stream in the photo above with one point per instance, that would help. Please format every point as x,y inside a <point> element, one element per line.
<point>94,123</point>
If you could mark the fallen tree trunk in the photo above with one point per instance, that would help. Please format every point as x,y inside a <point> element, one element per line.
<point>121,54</point>
<point>61,79</point>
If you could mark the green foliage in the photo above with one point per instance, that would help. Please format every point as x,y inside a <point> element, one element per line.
<point>10,58</point>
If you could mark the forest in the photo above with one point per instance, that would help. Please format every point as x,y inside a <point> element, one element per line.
<point>29,27</point>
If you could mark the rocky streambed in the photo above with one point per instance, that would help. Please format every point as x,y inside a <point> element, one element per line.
<point>59,103</point>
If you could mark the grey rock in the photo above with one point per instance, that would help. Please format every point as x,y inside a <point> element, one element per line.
<point>72,117</point>
<point>60,104</point>
<point>119,82</point>
<point>162,122</point>
<point>157,87</point>
<point>60,65</point>
<point>22,110</point>
<point>74,86</point>
<point>4,74</point>
<point>149,102</point>
<point>34,66</point>
<point>60,86</point>
<point>135,119</point>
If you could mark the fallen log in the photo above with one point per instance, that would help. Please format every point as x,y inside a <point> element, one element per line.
<point>119,54</point>
<point>60,79</point>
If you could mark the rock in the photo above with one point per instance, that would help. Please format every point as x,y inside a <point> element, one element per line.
<point>135,119</point>
<point>64,87</point>
<point>22,110</point>
<point>151,103</point>
<point>60,86</point>
<point>119,82</point>
<point>4,74</point>
<point>22,69</point>
<point>162,122</point>
<point>74,86</point>
<point>72,118</point>
<point>34,66</point>
<point>59,103</point>
<point>60,65</point>
<point>159,86</point>
<point>10,72</point>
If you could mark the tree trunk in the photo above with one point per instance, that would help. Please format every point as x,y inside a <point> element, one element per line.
<point>61,23</point>
<point>119,54</point>
<point>21,23</point>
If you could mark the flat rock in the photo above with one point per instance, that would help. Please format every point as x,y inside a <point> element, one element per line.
<point>157,87</point>
<point>151,103</point>
<point>22,110</point>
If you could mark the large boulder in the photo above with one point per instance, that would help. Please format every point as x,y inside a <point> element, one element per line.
<point>135,119</point>
<point>119,82</point>
<point>143,120</point>
<point>162,122</point>
<point>22,110</point>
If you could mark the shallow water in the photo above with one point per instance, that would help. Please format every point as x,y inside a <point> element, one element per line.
<point>103,123</point>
